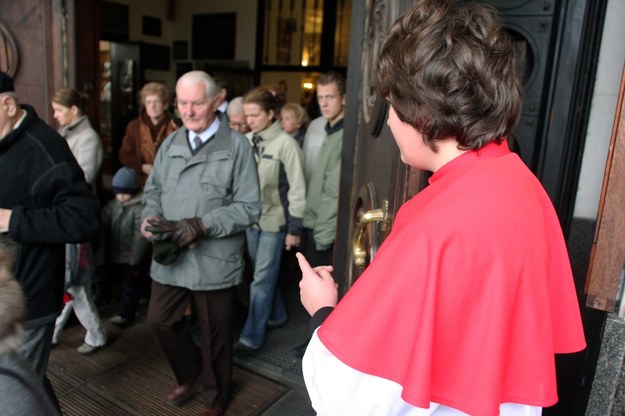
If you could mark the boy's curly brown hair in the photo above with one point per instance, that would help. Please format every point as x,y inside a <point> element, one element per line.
<point>448,69</point>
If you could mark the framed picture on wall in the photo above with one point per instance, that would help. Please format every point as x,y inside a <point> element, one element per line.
<point>151,26</point>
<point>155,56</point>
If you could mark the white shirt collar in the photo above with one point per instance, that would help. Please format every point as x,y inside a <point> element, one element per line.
<point>206,134</point>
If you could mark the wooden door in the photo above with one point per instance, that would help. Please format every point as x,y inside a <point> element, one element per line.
<point>374,181</point>
<point>374,178</point>
<point>83,30</point>
<point>607,257</point>
<point>38,46</point>
<point>32,30</point>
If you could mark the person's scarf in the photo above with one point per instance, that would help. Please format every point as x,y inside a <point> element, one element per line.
<point>152,135</point>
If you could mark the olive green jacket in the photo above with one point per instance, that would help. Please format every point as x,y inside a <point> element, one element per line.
<point>323,191</point>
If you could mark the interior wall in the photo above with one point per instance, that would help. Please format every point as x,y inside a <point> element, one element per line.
<point>246,11</point>
<point>154,8</point>
<point>603,108</point>
<point>178,26</point>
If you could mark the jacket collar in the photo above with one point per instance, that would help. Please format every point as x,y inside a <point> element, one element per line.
<point>179,145</point>
<point>64,131</point>
<point>270,132</point>
<point>14,135</point>
<point>333,129</point>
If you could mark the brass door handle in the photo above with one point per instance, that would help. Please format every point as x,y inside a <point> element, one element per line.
<point>375,215</point>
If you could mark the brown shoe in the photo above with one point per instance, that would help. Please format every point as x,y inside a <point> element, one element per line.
<point>181,393</point>
<point>215,411</point>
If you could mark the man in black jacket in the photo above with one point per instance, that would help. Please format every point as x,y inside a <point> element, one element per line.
<point>44,203</point>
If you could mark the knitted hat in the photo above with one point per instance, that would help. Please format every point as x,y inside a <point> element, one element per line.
<point>125,181</point>
<point>6,83</point>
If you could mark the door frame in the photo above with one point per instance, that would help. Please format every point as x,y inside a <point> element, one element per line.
<point>567,97</point>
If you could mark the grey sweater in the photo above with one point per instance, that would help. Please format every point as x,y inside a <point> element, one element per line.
<point>21,391</point>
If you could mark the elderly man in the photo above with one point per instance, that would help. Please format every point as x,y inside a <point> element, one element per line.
<point>44,203</point>
<point>200,197</point>
<point>236,116</point>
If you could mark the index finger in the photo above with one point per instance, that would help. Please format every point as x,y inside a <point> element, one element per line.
<point>303,263</point>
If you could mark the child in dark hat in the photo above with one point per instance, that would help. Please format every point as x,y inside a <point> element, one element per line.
<point>126,248</point>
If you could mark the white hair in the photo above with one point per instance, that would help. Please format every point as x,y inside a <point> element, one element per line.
<point>235,106</point>
<point>194,77</point>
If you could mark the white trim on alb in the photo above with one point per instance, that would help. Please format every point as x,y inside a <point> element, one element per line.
<point>336,389</point>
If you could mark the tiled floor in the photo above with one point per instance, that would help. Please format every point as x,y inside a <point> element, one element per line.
<point>277,360</point>
<point>131,376</point>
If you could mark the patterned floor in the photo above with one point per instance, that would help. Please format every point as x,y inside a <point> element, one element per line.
<point>131,377</point>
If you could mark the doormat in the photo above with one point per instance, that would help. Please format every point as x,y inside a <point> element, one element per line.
<point>130,376</point>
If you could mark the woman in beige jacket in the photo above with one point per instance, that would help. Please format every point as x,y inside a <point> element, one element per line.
<point>69,111</point>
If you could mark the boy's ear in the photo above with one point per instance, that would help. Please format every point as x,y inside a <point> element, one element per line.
<point>9,105</point>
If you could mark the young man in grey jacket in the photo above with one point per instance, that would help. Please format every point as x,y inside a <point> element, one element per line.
<point>322,194</point>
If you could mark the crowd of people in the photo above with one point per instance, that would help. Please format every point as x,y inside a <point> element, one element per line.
<point>446,320</point>
<point>207,192</point>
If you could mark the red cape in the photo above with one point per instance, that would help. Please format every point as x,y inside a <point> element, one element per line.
<point>470,296</point>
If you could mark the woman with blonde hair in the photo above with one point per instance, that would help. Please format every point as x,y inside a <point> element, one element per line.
<point>145,134</point>
<point>294,120</point>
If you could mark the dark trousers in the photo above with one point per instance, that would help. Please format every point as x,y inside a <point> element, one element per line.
<point>130,277</point>
<point>213,312</point>
<point>316,257</point>
<point>35,348</point>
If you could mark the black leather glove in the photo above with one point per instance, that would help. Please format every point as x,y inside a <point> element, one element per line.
<point>187,231</point>
<point>182,232</point>
<point>161,227</point>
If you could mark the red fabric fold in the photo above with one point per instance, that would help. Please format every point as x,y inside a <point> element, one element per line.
<point>470,296</point>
